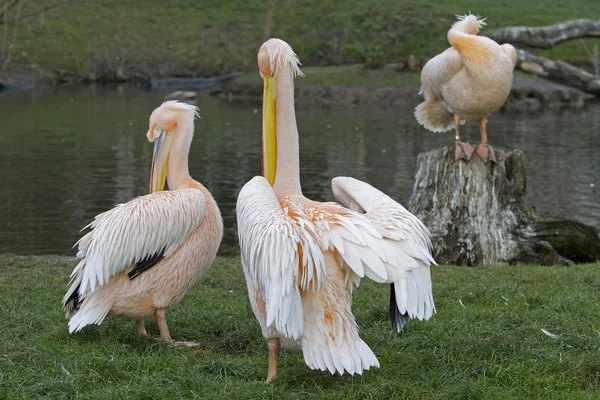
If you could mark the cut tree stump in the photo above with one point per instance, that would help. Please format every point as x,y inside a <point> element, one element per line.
<point>477,214</point>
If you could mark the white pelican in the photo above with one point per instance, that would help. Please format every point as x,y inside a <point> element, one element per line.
<point>140,258</point>
<point>301,257</point>
<point>469,80</point>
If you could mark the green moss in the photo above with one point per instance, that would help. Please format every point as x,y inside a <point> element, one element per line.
<point>485,342</point>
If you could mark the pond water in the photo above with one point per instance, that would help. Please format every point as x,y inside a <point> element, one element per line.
<point>69,154</point>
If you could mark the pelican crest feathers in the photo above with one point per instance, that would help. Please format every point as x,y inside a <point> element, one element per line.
<point>281,54</point>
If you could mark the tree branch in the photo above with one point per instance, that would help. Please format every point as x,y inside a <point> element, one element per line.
<point>545,37</point>
<point>269,20</point>
<point>32,14</point>
<point>5,6</point>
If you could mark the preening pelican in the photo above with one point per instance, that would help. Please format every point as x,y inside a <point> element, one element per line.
<point>469,80</point>
<point>301,257</point>
<point>140,258</point>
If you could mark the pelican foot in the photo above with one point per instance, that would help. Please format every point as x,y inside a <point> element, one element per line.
<point>487,153</point>
<point>186,344</point>
<point>270,378</point>
<point>463,150</point>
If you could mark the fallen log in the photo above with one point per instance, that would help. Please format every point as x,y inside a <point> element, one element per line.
<point>478,215</point>
<point>188,83</point>
<point>544,37</point>
<point>558,71</point>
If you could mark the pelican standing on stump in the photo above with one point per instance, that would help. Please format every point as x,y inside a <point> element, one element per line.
<point>140,258</point>
<point>301,258</point>
<point>468,81</point>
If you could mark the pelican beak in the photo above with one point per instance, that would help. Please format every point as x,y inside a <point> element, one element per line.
<point>160,159</point>
<point>269,150</point>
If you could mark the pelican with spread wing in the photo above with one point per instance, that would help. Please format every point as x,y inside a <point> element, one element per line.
<point>140,258</point>
<point>301,258</point>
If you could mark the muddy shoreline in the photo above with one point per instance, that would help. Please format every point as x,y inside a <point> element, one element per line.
<point>527,95</point>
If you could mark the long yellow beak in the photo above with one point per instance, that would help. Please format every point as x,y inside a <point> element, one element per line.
<point>269,150</point>
<point>160,160</point>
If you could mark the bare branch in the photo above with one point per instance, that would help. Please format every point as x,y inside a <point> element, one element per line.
<point>48,8</point>
<point>32,14</point>
<point>11,45</point>
<point>5,6</point>
<point>546,36</point>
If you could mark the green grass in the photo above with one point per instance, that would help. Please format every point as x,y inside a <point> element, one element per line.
<point>187,37</point>
<point>489,347</point>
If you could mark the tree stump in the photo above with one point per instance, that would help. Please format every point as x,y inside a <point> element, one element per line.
<point>477,214</point>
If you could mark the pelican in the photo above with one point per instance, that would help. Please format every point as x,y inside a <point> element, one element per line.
<point>140,258</point>
<point>301,258</point>
<point>467,81</point>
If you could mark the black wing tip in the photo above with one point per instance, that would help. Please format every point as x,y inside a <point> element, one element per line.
<point>397,319</point>
<point>73,301</point>
<point>145,264</point>
<point>133,273</point>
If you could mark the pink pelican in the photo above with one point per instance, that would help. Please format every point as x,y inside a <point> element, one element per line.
<point>467,81</point>
<point>140,258</point>
<point>301,258</point>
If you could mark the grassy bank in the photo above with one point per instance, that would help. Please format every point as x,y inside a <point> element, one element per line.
<point>348,75</point>
<point>485,342</point>
<point>127,39</point>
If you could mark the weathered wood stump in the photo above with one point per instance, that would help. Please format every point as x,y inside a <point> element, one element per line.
<point>478,215</point>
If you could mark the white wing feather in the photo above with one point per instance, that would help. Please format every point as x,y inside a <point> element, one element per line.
<point>352,237</point>
<point>130,232</point>
<point>404,247</point>
<point>269,243</point>
<point>439,71</point>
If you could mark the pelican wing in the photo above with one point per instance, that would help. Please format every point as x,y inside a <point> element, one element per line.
<point>405,247</point>
<point>348,234</point>
<point>278,255</point>
<point>137,232</point>
<point>438,71</point>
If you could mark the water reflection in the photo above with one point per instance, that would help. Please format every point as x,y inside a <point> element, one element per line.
<point>70,154</point>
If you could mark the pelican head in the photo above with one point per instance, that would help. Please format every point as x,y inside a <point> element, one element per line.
<point>276,54</point>
<point>469,23</point>
<point>169,120</point>
<point>276,60</point>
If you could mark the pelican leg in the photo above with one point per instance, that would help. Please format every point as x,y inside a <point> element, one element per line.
<point>486,152</point>
<point>161,321</point>
<point>140,327</point>
<point>462,149</point>
<point>273,358</point>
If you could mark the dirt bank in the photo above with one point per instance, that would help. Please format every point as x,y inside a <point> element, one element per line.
<point>527,95</point>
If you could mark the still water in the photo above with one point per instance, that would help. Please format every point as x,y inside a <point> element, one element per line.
<point>69,154</point>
